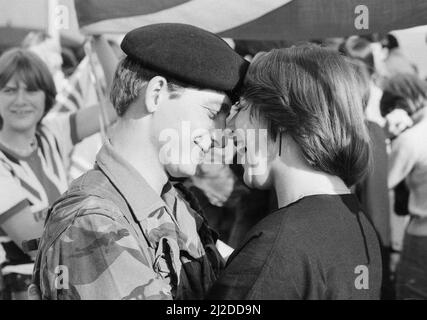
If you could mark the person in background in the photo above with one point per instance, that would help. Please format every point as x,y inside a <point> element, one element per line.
<point>396,62</point>
<point>372,191</point>
<point>362,49</point>
<point>34,151</point>
<point>318,244</point>
<point>407,94</point>
<point>49,51</point>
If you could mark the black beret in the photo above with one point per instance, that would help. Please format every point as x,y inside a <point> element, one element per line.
<point>187,54</point>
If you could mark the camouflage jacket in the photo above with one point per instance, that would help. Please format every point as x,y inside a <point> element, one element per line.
<point>110,236</point>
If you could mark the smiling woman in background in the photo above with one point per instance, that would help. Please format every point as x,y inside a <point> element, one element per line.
<point>318,244</point>
<point>34,151</point>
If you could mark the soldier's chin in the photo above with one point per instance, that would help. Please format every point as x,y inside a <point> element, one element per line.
<point>181,170</point>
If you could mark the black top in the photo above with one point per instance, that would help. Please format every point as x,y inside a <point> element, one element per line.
<point>320,247</point>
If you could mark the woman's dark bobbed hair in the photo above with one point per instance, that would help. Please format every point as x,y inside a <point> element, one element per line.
<point>312,94</point>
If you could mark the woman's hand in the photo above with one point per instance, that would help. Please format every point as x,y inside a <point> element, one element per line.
<point>34,292</point>
<point>397,121</point>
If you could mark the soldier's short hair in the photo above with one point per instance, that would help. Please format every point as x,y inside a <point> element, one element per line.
<point>130,78</point>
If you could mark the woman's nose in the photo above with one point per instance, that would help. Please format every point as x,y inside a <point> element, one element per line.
<point>230,122</point>
<point>21,96</point>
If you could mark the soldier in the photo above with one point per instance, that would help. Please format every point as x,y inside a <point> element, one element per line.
<point>122,230</point>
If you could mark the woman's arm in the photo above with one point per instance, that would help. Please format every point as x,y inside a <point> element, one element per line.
<point>401,159</point>
<point>23,226</point>
<point>106,57</point>
<point>87,119</point>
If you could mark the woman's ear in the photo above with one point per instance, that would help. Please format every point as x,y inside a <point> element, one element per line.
<point>154,93</point>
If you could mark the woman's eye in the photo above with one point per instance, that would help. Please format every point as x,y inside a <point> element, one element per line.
<point>235,109</point>
<point>32,89</point>
<point>212,115</point>
<point>240,106</point>
<point>9,90</point>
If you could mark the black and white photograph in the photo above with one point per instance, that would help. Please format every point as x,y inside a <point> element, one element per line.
<point>214,153</point>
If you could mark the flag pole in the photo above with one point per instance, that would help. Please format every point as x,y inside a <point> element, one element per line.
<point>100,92</point>
<point>52,27</point>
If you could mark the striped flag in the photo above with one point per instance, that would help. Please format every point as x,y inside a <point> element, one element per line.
<point>78,91</point>
<point>256,19</point>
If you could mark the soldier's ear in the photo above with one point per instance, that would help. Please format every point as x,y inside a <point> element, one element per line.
<point>156,91</point>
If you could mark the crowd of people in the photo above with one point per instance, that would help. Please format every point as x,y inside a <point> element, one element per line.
<point>306,213</point>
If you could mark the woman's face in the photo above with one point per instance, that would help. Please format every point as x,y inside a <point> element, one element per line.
<point>20,107</point>
<point>255,150</point>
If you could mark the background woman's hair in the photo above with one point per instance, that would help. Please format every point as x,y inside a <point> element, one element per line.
<point>312,94</point>
<point>404,91</point>
<point>359,48</point>
<point>363,79</point>
<point>29,68</point>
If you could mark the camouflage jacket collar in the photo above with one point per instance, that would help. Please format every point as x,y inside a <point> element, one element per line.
<point>129,182</point>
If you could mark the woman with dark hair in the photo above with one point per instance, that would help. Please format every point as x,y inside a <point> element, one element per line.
<point>408,162</point>
<point>34,152</point>
<point>318,244</point>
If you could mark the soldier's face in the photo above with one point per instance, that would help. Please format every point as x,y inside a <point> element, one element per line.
<point>185,125</point>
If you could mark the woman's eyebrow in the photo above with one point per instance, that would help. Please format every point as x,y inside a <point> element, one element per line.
<point>11,85</point>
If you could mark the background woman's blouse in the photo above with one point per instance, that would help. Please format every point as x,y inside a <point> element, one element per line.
<point>408,160</point>
<point>39,179</point>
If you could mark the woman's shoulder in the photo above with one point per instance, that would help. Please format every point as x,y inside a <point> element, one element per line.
<point>282,225</point>
<point>314,208</point>
<point>307,220</point>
